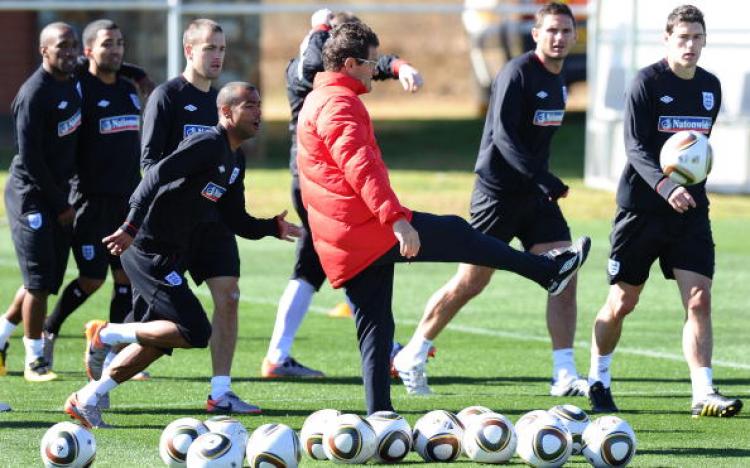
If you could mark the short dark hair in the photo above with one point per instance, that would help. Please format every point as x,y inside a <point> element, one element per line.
<point>196,26</point>
<point>91,30</point>
<point>348,40</point>
<point>553,8</point>
<point>342,17</point>
<point>685,14</point>
<point>229,94</point>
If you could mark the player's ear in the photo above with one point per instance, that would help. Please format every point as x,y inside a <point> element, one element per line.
<point>535,34</point>
<point>188,51</point>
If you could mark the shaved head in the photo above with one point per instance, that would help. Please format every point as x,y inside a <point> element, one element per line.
<point>50,32</point>
<point>232,93</point>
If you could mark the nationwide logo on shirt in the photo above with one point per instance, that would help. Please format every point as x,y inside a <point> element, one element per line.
<point>678,123</point>
<point>213,191</point>
<point>66,127</point>
<point>546,117</point>
<point>190,129</point>
<point>119,123</point>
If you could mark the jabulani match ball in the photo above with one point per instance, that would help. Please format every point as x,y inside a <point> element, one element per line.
<point>576,420</point>
<point>544,442</point>
<point>311,435</point>
<point>393,436</point>
<point>214,450</point>
<point>686,157</point>
<point>176,439</point>
<point>528,418</point>
<point>609,441</point>
<point>230,427</point>
<point>490,438</point>
<point>273,446</point>
<point>468,413</point>
<point>437,436</point>
<point>68,445</point>
<point>349,439</point>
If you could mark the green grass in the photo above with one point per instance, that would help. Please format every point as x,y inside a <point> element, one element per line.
<point>495,353</point>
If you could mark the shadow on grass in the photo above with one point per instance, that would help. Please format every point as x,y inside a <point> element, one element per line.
<point>699,451</point>
<point>28,424</point>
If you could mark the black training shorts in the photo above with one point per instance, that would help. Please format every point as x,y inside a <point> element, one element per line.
<point>213,252</point>
<point>96,218</point>
<point>307,263</point>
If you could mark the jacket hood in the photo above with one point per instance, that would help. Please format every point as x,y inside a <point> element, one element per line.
<point>339,79</point>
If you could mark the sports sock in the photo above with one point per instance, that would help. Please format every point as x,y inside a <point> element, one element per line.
<point>599,370</point>
<point>71,298</point>
<point>91,392</point>
<point>108,360</point>
<point>6,329</point>
<point>415,351</point>
<point>563,365</point>
<point>703,383</point>
<point>220,384</point>
<point>119,333</point>
<point>293,305</point>
<point>121,303</point>
<point>33,349</point>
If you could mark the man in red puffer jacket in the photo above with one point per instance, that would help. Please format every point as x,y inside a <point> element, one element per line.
<point>359,227</point>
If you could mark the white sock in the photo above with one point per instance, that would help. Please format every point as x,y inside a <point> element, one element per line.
<point>414,353</point>
<point>563,365</point>
<point>293,306</point>
<point>703,383</point>
<point>108,360</point>
<point>89,395</point>
<point>6,329</point>
<point>599,370</point>
<point>220,384</point>
<point>34,349</point>
<point>119,333</point>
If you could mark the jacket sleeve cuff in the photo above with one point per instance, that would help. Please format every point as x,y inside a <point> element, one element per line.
<point>665,187</point>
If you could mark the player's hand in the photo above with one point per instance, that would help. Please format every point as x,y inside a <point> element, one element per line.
<point>66,217</point>
<point>118,242</point>
<point>408,238</point>
<point>287,231</point>
<point>410,78</point>
<point>681,200</point>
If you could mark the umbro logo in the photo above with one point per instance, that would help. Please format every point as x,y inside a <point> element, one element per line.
<point>542,94</point>
<point>62,105</point>
<point>191,108</point>
<point>666,99</point>
<point>103,103</point>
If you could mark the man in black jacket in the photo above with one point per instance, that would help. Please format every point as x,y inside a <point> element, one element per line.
<point>163,216</point>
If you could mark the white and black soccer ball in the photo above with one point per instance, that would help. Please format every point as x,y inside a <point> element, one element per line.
<point>311,435</point>
<point>528,418</point>
<point>437,436</point>
<point>468,413</point>
<point>349,439</point>
<point>273,446</point>
<point>393,436</point>
<point>214,450</point>
<point>231,428</point>
<point>576,420</point>
<point>609,441</point>
<point>686,157</point>
<point>490,438</point>
<point>544,442</point>
<point>68,445</point>
<point>176,439</point>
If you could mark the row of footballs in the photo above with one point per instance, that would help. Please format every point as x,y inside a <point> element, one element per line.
<point>541,438</point>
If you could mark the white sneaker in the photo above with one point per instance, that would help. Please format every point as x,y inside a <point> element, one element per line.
<point>570,387</point>
<point>415,380</point>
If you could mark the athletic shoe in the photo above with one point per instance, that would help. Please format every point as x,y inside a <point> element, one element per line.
<point>103,402</point>
<point>48,347</point>
<point>568,260</point>
<point>38,371</point>
<point>570,387</point>
<point>397,347</point>
<point>290,368</point>
<point>230,403</point>
<point>96,351</point>
<point>5,407</point>
<point>415,380</point>
<point>601,399</point>
<point>717,405</point>
<point>3,357</point>
<point>90,416</point>
<point>142,376</point>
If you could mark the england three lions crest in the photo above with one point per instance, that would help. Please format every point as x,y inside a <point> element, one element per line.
<point>708,100</point>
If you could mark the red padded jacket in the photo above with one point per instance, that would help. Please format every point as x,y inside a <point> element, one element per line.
<point>344,181</point>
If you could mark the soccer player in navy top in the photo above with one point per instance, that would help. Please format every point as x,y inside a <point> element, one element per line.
<point>155,241</point>
<point>177,109</point>
<point>515,195</point>
<point>658,219</point>
<point>47,116</point>
<point>107,171</point>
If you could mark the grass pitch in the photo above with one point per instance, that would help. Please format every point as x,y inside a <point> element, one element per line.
<point>496,352</point>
